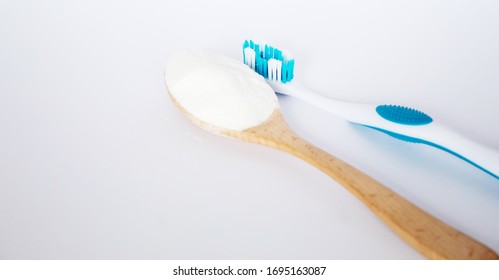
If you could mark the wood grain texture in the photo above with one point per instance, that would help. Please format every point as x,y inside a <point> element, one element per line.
<point>430,236</point>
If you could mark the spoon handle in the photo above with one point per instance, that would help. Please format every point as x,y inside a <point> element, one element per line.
<point>430,236</point>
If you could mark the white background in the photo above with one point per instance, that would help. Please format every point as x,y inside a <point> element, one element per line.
<point>96,162</point>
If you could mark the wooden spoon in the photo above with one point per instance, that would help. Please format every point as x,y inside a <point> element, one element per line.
<point>430,236</point>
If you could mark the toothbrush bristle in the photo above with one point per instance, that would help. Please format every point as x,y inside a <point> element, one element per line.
<point>270,62</point>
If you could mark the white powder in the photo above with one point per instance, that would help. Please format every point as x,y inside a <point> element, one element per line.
<point>219,90</point>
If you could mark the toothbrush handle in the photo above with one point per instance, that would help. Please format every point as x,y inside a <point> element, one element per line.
<point>443,138</point>
<point>405,124</point>
<point>430,236</point>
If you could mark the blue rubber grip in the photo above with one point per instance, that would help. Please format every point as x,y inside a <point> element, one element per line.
<point>403,115</point>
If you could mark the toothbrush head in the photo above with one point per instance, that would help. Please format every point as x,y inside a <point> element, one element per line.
<point>270,62</point>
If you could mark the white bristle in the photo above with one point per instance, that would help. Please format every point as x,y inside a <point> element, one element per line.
<point>274,69</point>
<point>279,67</point>
<point>249,57</point>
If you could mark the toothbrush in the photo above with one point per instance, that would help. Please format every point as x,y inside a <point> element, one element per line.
<point>400,122</point>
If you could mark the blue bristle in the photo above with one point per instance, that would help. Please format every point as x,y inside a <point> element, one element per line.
<point>288,70</point>
<point>264,67</point>
<point>260,65</point>
<point>258,61</point>
<point>257,64</point>
<point>262,56</point>
<point>277,54</point>
<point>265,71</point>
<point>285,73</point>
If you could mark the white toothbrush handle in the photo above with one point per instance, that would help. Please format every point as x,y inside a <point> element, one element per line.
<point>426,132</point>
